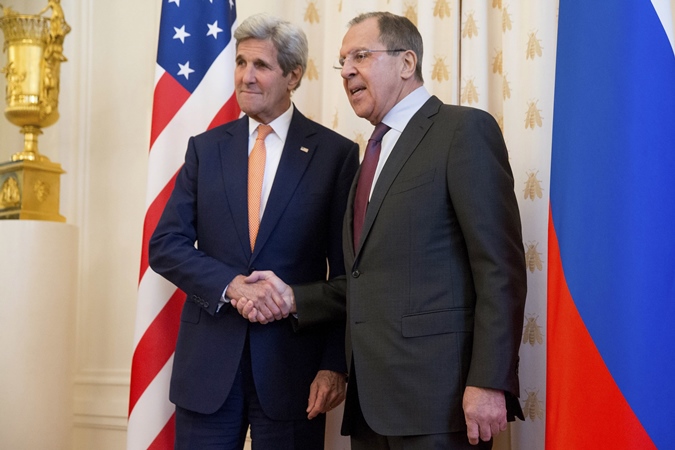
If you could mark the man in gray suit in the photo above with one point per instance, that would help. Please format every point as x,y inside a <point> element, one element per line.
<point>436,282</point>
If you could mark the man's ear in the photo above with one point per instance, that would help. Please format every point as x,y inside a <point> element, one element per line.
<point>294,78</point>
<point>409,64</point>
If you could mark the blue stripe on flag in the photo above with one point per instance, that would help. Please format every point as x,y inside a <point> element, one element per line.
<point>613,194</point>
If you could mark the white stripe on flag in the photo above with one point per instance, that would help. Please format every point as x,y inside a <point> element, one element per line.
<point>155,410</point>
<point>666,13</point>
<point>154,292</point>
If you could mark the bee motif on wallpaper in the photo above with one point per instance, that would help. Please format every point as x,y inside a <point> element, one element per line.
<point>411,12</point>
<point>312,71</point>
<point>532,186</point>
<point>533,115</point>
<point>533,46</point>
<point>359,139</point>
<point>506,88</point>
<point>441,9</point>
<point>532,331</point>
<point>500,122</point>
<point>497,4</point>
<point>533,258</point>
<point>469,93</point>
<point>469,27</point>
<point>506,20</point>
<point>312,13</point>
<point>498,63</point>
<point>532,408</point>
<point>440,71</point>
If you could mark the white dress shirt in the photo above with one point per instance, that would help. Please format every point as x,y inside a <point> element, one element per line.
<point>397,118</point>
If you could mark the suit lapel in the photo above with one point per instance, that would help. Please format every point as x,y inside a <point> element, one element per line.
<point>295,157</point>
<point>234,169</point>
<point>410,138</point>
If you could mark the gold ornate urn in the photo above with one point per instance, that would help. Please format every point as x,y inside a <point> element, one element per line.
<point>29,184</point>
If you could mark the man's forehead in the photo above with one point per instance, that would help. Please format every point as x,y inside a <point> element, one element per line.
<point>256,49</point>
<point>361,36</point>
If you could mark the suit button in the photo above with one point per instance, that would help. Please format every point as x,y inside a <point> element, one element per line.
<point>356,273</point>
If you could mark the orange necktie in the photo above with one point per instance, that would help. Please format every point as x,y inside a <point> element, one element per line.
<point>256,171</point>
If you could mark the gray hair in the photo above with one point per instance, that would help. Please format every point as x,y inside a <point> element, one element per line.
<point>397,32</point>
<point>289,40</point>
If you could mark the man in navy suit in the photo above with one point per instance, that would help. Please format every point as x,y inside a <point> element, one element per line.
<point>436,281</point>
<point>229,374</point>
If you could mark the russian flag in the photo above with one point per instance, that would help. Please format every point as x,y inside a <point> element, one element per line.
<point>611,313</point>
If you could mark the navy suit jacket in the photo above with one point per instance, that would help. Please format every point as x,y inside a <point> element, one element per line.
<point>202,242</point>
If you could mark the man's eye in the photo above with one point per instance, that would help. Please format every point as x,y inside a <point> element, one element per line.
<point>360,56</point>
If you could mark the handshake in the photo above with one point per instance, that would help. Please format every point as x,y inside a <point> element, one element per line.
<point>261,297</point>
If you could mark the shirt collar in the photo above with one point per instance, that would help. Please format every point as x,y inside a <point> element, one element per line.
<point>280,125</point>
<point>398,117</point>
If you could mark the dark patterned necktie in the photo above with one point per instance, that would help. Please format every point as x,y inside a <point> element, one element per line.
<point>365,181</point>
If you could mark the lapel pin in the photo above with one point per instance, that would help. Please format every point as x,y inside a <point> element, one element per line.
<point>304,149</point>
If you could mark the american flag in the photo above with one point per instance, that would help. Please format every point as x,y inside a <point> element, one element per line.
<point>194,91</point>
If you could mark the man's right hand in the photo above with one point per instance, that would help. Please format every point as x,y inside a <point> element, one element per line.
<point>263,297</point>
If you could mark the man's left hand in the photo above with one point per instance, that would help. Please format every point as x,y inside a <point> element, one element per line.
<point>326,392</point>
<point>484,412</point>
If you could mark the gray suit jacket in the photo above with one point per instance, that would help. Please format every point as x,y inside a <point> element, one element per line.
<point>436,289</point>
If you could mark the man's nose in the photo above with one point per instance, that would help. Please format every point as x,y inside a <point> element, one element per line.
<point>347,70</point>
<point>248,74</point>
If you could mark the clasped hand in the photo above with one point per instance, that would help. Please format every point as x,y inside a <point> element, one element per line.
<point>261,297</point>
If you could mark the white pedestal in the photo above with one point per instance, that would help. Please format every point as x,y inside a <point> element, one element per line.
<point>38,288</point>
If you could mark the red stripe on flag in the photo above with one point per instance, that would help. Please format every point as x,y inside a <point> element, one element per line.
<point>152,217</point>
<point>584,406</point>
<point>227,113</point>
<point>155,347</point>
<point>168,98</point>
<point>164,439</point>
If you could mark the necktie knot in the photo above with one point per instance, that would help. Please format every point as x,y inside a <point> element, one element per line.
<point>263,131</point>
<point>379,132</point>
